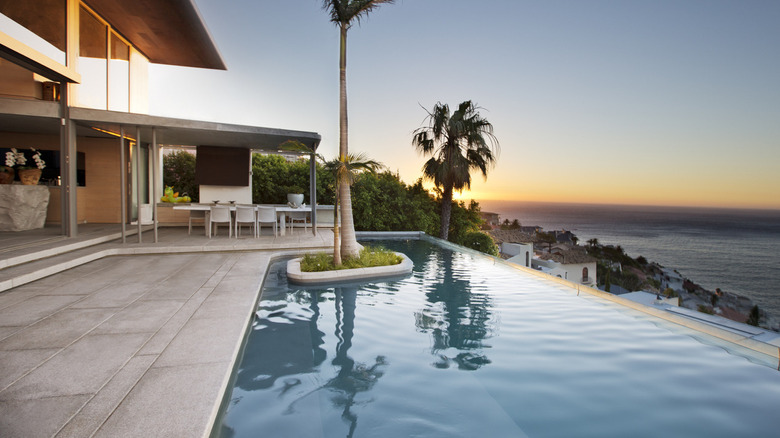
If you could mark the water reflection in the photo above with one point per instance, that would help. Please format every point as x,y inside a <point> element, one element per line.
<point>457,316</point>
<point>286,341</point>
<point>352,378</point>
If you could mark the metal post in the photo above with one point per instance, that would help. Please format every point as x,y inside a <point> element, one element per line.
<point>138,179</point>
<point>123,182</point>
<point>154,181</point>
<point>68,182</point>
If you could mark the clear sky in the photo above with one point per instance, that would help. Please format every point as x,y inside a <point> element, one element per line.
<point>655,102</point>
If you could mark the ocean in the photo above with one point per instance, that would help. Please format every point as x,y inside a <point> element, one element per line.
<point>735,250</point>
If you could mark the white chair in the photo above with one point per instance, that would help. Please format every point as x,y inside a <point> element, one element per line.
<point>199,216</point>
<point>220,215</point>
<point>299,216</point>
<point>266,215</point>
<point>245,215</point>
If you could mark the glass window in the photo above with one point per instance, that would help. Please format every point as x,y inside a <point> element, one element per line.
<point>39,24</point>
<point>119,75</point>
<point>93,49</point>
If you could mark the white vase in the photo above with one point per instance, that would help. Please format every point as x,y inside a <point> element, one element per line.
<point>296,199</point>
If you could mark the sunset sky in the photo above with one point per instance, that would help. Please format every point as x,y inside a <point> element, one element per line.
<point>622,102</point>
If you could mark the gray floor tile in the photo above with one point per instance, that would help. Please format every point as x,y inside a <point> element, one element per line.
<point>57,331</point>
<point>100,407</point>
<point>141,317</point>
<point>82,368</point>
<point>34,309</point>
<point>157,406</point>
<point>203,341</point>
<point>37,418</point>
<point>14,364</point>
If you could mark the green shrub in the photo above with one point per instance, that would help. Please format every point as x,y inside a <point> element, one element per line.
<point>481,242</point>
<point>369,257</point>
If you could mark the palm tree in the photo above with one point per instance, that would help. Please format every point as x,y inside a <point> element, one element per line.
<point>343,13</point>
<point>345,169</point>
<point>457,143</point>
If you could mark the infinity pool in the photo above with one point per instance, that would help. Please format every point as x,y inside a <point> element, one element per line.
<point>467,348</point>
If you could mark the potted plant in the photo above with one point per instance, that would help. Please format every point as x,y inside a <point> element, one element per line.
<point>12,159</point>
<point>31,175</point>
<point>295,197</point>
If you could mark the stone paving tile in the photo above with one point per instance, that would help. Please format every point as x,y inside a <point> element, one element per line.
<point>57,331</point>
<point>165,335</point>
<point>34,309</point>
<point>14,364</point>
<point>37,418</point>
<point>100,407</point>
<point>141,317</point>
<point>203,341</point>
<point>113,296</point>
<point>169,402</point>
<point>8,331</point>
<point>19,294</point>
<point>82,368</point>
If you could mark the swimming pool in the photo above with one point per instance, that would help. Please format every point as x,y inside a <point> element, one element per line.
<point>468,348</point>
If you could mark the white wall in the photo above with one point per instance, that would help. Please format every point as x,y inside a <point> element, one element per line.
<point>571,272</point>
<point>242,195</point>
<point>517,253</point>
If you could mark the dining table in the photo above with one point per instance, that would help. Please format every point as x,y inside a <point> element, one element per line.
<point>281,212</point>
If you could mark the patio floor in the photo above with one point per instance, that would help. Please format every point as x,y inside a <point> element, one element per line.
<point>139,341</point>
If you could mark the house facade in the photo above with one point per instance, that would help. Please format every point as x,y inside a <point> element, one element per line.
<point>74,85</point>
<point>570,265</point>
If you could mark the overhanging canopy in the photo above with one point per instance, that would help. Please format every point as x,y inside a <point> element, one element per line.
<point>43,118</point>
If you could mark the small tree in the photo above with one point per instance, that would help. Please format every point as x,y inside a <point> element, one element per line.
<point>179,173</point>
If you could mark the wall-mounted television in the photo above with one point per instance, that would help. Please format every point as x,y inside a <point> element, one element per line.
<point>222,166</point>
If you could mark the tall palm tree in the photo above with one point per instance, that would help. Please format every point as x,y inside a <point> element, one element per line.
<point>458,144</point>
<point>344,13</point>
<point>345,169</point>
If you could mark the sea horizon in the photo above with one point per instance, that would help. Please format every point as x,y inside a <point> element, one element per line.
<point>734,249</point>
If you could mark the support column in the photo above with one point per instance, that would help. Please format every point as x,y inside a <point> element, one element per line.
<point>138,180</point>
<point>68,157</point>
<point>313,191</point>
<point>154,181</point>
<point>123,182</point>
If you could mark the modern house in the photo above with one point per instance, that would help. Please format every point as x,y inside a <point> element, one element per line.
<point>74,84</point>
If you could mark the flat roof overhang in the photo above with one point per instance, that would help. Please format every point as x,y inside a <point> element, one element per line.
<point>39,117</point>
<point>22,55</point>
<point>166,31</point>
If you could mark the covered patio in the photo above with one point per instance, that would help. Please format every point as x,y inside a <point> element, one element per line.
<point>132,143</point>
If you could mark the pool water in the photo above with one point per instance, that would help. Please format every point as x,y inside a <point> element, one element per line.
<point>465,347</point>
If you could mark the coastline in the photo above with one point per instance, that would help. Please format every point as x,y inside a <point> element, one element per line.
<point>656,278</point>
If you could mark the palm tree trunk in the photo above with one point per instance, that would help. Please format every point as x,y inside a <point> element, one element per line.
<point>349,245</point>
<point>446,212</point>
<point>336,234</point>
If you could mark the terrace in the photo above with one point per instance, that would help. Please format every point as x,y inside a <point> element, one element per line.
<point>140,339</point>
<point>108,338</point>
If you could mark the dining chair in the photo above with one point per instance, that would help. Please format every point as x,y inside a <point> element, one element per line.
<point>245,214</point>
<point>299,216</point>
<point>199,216</point>
<point>220,214</point>
<point>266,215</point>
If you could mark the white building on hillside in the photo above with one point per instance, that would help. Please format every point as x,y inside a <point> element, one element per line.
<point>570,265</point>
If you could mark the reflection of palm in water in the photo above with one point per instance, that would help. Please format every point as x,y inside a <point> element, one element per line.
<point>352,377</point>
<point>456,318</point>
